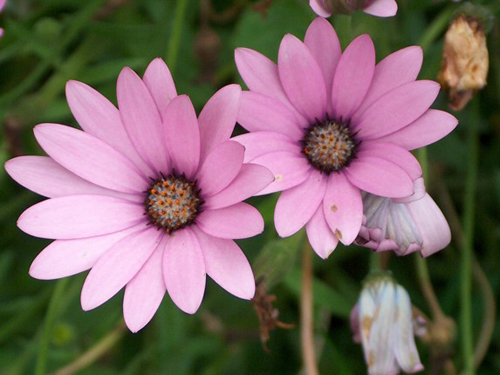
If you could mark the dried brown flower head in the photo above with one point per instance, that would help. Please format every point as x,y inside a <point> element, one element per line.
<point>465,60</point>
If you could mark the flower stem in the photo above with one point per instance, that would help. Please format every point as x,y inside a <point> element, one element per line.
<point>468,219</point>
<point>306,313</point>
<point>175,35</point>
<point>94,353</point>
<point>50,318</point>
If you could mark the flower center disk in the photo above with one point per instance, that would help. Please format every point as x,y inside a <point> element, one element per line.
<point>329,146</point>
<point>173,202</point>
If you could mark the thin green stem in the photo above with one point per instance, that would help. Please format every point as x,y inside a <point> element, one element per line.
<point>307,313</point>
<point>50,318</point>
<point>375,262</point>
<point>437,27</point>
<point>175,35</point>
<point>468,219</point>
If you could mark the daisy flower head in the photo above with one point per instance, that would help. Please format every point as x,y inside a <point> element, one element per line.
<point>404,225</point>
<point>147,196</point>
<point>331,124</point>
<point>379,8</point>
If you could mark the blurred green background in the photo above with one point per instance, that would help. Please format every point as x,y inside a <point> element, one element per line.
<point>42,326</point>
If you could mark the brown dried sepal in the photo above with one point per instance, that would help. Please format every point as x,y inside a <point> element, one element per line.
<point>267,314</point>
<point>465,61</point>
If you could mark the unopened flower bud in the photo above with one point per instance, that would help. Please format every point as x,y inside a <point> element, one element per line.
<point>465,59</point>
<point>382,321</point>
<point>379,8</point>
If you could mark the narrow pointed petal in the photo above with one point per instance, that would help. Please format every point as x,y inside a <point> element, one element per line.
<point>297,205</point>
<point>259,143</point>
<point>182,135</point>
<point>103,165</point>
<point>234,222</point>
<point>380,177</point>
<point>184,270</point>
<point>218,118</point>
<point>320,236</point>
<point>144,293</point>
<point>382,8</point>
<point>289,169</point>
<point>353,77</point>
<point>427,129</point>
<point>64,258</point>
<point>322,41</point>
<point>226,264</point>
<point>100,118</point>
<point>396,109</point>
<point>395,70</point>
<point>392,153</point>
<point>319,8</point>
<point>44,176</point>
<point>343,208</point>
<point>432,225</point>
<point>404,340</point>
<point>261,113</point>
<point>160,83</point>
<point>302,78</point>
<point>80,216</point>
<point>118,266</point>
<point>220,168</point>
<point>251,180</point>
<point>142,120</point>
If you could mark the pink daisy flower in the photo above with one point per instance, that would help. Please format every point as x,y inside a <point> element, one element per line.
<point>379,8</point>
<point>330,125</point>
<point>404,225</point>
<point>149,197</point>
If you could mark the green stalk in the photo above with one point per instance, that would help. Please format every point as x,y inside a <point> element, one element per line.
<point>175,35</point>
<point>50,318</point>
<point>468,219</point>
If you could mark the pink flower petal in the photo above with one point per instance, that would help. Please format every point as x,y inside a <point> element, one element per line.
<point>220,168</point>
<point>184,270</point>
<point>322,41</point>
<point>428,128</point>
<point>380,177</point>
<point>395,70</point>
<point>353,77</point>
<point>260,74</point>
<point>64,258</point>
<point>160,83</point>
<point>432,224</point>
<point>80,216</point>
<point>99,117</point>
<point>44,176</point>
<point>218,118</point>
<point>259,143</point>
<point>262,113</point>
<point>396,109</point>
<point>343,208</point>
<point>251,180</point>
<point>319,8</point>
<point>382,8</point>
<point>392,153</point>
<point>142,120</point>
<point>289,169</point>
<point>182,135</point>
<point>226,264</point>
<point>320,236</point>
<point>297,205</point>
<point>234,222</point>
<point>118,266</point>
<point>302,78</point>
<point>144,293</point>
<point>103,165</point>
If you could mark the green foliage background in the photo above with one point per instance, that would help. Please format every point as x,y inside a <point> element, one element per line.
<point>42,326</point>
